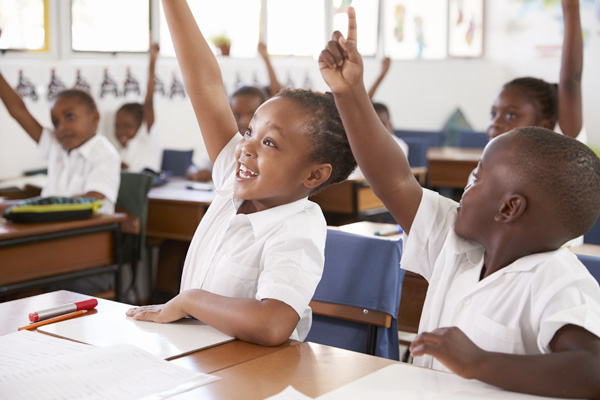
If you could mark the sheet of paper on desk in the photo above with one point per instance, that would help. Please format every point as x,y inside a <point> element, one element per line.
<point>289,393</point>
<point>163,340</point>
<point>115,372</point>
<point>404,381</point>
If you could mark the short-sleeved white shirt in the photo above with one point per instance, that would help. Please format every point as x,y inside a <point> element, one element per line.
<point>93,166</point>
<point>276,253</point>
<point>142,151</point>
<point>516,310</point>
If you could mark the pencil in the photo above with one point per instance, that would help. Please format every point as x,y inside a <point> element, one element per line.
<point>53,320</point>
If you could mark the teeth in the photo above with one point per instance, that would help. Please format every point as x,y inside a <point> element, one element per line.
<point>245,172</point>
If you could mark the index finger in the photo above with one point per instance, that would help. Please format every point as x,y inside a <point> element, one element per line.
<point>351,36</point>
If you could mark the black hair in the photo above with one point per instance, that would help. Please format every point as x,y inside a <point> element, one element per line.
<point>326,132</point>
<point>543,95</point>
<point>380,107</point>
<point>566,171</point>
<point>250,91</point>
<point>136,109</point>
<point>82,95</point>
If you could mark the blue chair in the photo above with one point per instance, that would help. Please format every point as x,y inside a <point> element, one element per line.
<point>592,263</point>
<point>593,236</point>
<point>417,151</point>
<point>176,162</point>
<point>435,138</point>
<point>471,139</point>
<point>355,306</point>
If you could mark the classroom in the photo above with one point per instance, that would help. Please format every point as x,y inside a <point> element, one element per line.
<point>148,277</point>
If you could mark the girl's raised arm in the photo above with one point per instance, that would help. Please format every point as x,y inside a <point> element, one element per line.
<point>201,76</point>
<point>569,87</point>
<point>379,157</point>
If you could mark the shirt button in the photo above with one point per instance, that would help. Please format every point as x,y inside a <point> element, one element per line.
<point>467,301</point>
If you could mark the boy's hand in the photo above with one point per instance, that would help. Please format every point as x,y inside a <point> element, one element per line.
<point>161,313</point>
<point>154,50</point>
<point>451,347</point>
<point>340,63</point>
<point>385,65</point>
<point>262,50</point>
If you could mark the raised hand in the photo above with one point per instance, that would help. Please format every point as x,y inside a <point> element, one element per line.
<point>340,63</point>
<point>451,347</point>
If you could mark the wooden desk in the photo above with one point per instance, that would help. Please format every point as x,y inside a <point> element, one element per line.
<point>43,253</point>
<point>586,249</point>
<point>352,196</point>
<point>174,212</point>
<point>450,166</point>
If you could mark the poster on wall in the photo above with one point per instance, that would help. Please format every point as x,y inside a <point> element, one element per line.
<point>465,28</point>
<point>415,29</point>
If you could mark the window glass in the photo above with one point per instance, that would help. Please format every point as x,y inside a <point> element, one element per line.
<point>24,24</point>
<point>236,20</point>
<point>295,28</point>
<point>110,25</point>
<point>367,20</point>
<point>415,29</point>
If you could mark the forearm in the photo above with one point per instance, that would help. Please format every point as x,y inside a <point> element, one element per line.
<point>377,154</point>
<point>375,85</point>
<point>18,110</point>
<point>274,85</point>
<point>572,374</point>
<point>149,100</point>
<point>263,322</point>
<point>569,88</point>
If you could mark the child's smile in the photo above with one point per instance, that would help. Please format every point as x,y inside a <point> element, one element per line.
<point>245,173</point>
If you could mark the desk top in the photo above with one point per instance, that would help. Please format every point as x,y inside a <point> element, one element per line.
<point>11,230</point>
<point>176,191</point>
<point>454,154</point>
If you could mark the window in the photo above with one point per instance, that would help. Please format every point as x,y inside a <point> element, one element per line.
<point>110,25</point>
<point>24,25</point>
<point>237,20</point>
<point>295,28</point>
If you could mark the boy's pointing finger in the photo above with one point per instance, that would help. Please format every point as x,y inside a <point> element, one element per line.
<point>352,35</point>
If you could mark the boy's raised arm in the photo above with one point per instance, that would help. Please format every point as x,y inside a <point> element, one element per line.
<point>274,84</point>
<point>569,87</point>
<point>202,77</point>
<point>18,110</point>
<point>379,157</point>
<point>149,100</point>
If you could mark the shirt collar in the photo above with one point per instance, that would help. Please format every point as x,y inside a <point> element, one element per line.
<point>86,149</point>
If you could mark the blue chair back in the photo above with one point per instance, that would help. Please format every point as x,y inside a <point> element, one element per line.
<point>176,162</point>
<point>471,139</point>
<point>592,263</point>
<point>593,236</point>
<point>362,272</point>
<point>417,151</point>
<point>435,138</point>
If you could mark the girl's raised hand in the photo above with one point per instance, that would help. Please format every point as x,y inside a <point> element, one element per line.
<point>340,63</point>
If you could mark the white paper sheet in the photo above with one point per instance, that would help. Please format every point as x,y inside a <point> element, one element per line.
<point>116,372</point>
<point>289,393</point>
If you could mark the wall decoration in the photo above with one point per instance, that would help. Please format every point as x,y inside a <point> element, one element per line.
<point>108,86</point>
<point>55,86</point>
<point>131,84</point>
<point>81,83</point>
<point>159,86</point>
<point>177,88</point>
<point>25,88</point>
<point>465,28</point>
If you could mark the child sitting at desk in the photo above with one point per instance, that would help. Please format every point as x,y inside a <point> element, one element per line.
<point>258,253</point>
<point>80,162</point>
<point>135,129</point>
<point>506,304</point>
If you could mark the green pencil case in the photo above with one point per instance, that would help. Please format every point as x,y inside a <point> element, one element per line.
<point>52,209</point>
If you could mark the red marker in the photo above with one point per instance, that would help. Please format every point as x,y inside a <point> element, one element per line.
<point>64,309</point>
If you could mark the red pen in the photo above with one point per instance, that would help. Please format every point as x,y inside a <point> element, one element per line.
<point>64,309</point>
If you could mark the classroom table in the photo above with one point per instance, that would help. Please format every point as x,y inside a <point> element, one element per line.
<point>250,371</point>
<point>37,254</point>
<point>587,249</point>
<point>450,167</point>
<point>174,211</point>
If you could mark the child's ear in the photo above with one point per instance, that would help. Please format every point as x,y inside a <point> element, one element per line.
<point>319,174</point>
<point>512,208</point>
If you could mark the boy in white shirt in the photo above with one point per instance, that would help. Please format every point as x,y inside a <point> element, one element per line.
<point>80,162</point>
<point>506,304</point>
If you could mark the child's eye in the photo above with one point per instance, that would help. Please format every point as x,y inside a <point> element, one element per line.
<point>510,116</point>
<point>70,117</point>
<point>269,142</point>
<point>493,114</point>
<point>248,133</point>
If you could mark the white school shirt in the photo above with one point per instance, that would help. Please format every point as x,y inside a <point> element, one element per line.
<point>142,151</point>
<point>272,254</point>
<point>93,166</point>
<point>516,310</point>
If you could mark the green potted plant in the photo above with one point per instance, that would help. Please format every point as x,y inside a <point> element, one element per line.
<point>222,42</point>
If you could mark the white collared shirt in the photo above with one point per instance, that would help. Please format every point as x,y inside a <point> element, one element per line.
<point>517,309</point>
<point>93,166</point>
<point>142,151</point>
<point>276,253</point>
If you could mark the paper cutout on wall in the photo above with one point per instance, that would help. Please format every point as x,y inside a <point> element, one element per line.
<point>109,86</point>
<point>25,88</point>
<point>177,87</point>
<point>159,86</point>
<point>81,83</point>
<point>55,86</point>
<point>131,84</point>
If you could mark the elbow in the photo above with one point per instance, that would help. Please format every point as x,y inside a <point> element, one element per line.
<point>272,336</point>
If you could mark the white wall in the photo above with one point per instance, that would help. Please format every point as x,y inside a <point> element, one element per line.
<point>420,94</point>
